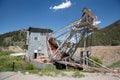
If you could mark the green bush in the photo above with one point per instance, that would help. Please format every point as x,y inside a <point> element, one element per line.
<point>6,61</point>
<point>29,66</point>
<point>96,59</point>
<point>115,43</point>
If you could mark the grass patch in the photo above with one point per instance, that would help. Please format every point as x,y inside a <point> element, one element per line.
<point>7,61</point>
<point>49,71</point>
<point>114,65</point>
<point>36,71</point>
<point>77,74</point>
<point>89,71</point>
<point>6,64</point>
<point>52,71</point>
<point>3,53</point>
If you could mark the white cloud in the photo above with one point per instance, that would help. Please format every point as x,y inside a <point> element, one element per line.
<point>96,22</point>
<point>63,5</point>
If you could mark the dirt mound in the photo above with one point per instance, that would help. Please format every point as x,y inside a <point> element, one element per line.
<point>13,48</point>
<point>108,54</point>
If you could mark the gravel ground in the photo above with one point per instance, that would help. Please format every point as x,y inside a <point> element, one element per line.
<point>89,76</point>
<point>4,75</point>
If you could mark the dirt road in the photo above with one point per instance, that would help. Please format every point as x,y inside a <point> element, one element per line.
<point>89,76</point>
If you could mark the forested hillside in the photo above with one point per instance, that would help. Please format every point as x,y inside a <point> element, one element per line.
<point>15,38</point>
<point>108,36</point>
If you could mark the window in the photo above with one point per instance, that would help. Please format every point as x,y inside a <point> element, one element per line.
<point>35,38</point>
<point>26,47</point>
<point>43,34</point>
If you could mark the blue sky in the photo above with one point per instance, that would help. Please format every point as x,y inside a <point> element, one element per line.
<point>53,14</point>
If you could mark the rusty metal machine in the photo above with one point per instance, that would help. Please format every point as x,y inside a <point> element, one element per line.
<point>64,42</point>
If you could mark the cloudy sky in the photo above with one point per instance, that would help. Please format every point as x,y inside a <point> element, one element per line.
<point>53,14</point>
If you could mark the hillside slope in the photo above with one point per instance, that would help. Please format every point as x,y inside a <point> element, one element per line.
<point>108,54</point>
<point>108,36</point>
<point>15,38</point>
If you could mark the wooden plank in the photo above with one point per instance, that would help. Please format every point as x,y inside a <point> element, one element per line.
<point>87,67</point>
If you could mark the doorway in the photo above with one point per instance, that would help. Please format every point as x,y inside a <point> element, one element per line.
<point>35,55</point>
